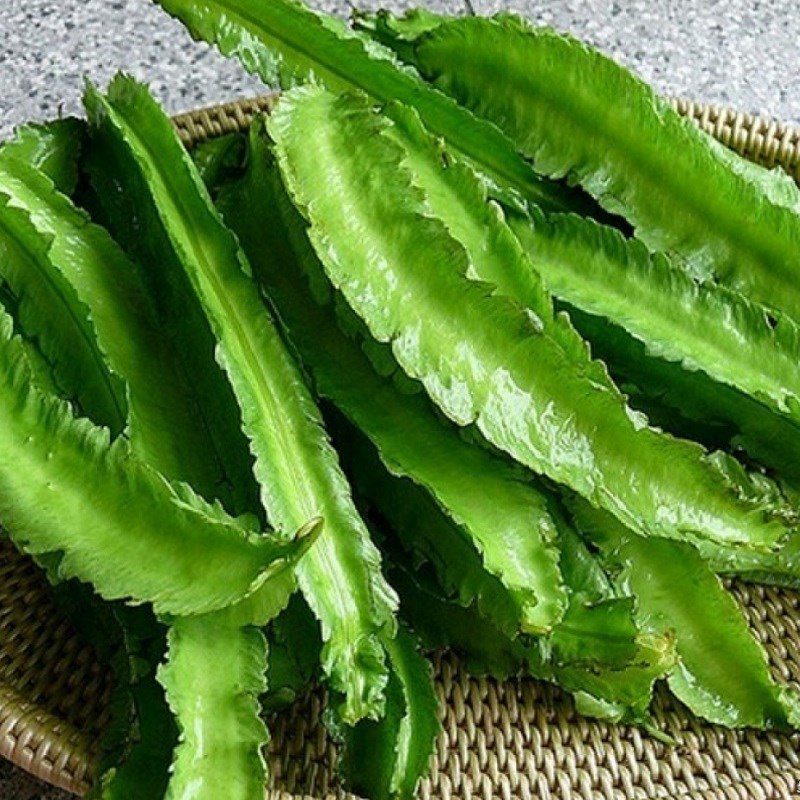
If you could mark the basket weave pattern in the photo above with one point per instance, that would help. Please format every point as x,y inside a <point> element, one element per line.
<point>501,741</point>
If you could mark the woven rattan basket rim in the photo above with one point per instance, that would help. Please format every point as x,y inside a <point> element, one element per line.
<point>40,739</point>
<point>758,138</point>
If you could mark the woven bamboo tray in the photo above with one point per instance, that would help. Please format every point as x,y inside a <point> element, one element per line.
<point>516,740</point>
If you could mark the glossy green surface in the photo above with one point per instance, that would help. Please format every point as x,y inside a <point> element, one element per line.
<point>482,358</point>
<point>229,706</point>
<point>84,282</point>
<point>140,736</point>
<point>576,112</point>
<point>214,683</point>
<point>296,468</point>
<point>285,42</point>
<point>454,194</point>
<point>722,672</point>
<point>196,433</point>
<point>508,521</point>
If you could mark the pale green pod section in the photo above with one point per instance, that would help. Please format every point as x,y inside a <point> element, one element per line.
<point>295,465</point>
<point>482,358</point>
<point>286,42</point>
<point>216,683</point>
<point>577,113</point>
<point>508,520</point>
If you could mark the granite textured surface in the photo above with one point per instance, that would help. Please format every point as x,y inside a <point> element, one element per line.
<point>737,52</point>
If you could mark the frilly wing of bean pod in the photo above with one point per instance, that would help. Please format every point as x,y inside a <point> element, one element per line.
<point>481,357</point>
<point>295,465</point>
<point>285,42</point>
<point>575,112</point>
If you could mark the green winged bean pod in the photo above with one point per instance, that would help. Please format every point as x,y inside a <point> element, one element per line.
<point>481,357</point>
<point>224,708</point>
<point>295,465</point>
<point>116,523</point>
<point>285,42</point>
<point>508,521</point>
<point>722,672</point>
<point>138,742</point>
<point>575,112</point>
<point>222,734</point>
<point>700,326</point>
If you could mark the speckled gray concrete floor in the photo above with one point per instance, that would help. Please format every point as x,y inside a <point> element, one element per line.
<point>739,52</point>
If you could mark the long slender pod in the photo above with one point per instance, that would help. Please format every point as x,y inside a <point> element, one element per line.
<point>722,673</point>
<point>117,523</point>
<point>285,42</point>
<point>574,112</point>
<point>175,423</point>
<point>509,521</point>
<point>295,465</point>
<point>593,267</point>
<point>225,707</point>
<point>481,357</point>
<point>137,745</point>
<point>700,326</point>
<point>213,677</point>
